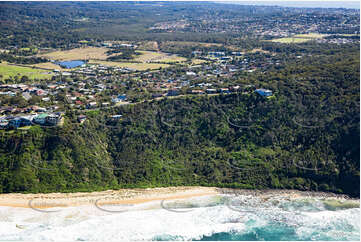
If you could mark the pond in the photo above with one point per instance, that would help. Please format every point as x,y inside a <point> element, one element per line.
<point>71,64</point>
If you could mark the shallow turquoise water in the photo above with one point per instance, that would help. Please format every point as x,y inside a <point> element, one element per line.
<point>278,219</point>
<point>272,233</point>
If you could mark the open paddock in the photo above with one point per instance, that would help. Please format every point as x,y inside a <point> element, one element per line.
<point>152,56</point>
<point>49,66</point>
<point>136,66</point>
<point>189,43</point>
<point>98,53</point>
<point>259,50</point>
<point>7,70</point>
<point>198,61</point>
<point>290,40</point>
<point>310,36</point>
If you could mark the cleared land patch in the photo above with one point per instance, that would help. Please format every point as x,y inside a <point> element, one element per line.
<point>299,38</point>
<point>98,53</point>
<point>148,45</point>
<point>259,50</point>
<point>189,43</point>
<point>152,56</point>
<point>49,65</point>
<point>290,40</point>
<point>198,61</point>
<point>136,66</point>
<point>7,70</point>
<point>310,36</point>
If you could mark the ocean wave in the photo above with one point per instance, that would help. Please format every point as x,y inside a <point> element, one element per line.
<point>210,217</point>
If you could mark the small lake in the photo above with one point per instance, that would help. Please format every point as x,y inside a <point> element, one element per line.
<point>71,64</point>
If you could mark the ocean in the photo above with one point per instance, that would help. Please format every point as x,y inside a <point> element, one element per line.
<point>216,217</point>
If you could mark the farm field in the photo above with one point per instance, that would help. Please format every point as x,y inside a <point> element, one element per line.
<point>198,61</point>
<point>171,58</point>
<point>290,40</point>
<point>152,56</point>
<point>259,50</point>
<point>189,43</point>
<point>98,53</point>
<point>310,36</point>
<point>136,66</point>
<point>49,65</point>
<point>7,70</point>
<point>299,38</point>
<point>148,45</point>
<point>348,35</point>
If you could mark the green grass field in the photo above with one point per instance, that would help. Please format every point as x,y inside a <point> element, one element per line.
<point>78,54</point>
<point>310,36</point>
<point>152,56</point>
<point>7,70</point>
<point>290,40</point>
<point>299,38</point>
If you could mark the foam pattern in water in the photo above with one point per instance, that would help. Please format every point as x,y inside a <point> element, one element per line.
<point>207,218</point>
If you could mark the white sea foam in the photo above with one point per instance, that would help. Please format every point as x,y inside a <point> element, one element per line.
<point>149,221</point>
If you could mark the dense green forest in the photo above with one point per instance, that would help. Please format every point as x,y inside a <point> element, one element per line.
<point>304,137</point>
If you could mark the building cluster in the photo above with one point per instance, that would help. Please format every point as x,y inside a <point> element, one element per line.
<point>98,69</point>
<point>43,119</point>
<point>278,23</point>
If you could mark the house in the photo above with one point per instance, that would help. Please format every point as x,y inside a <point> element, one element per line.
<point>216,53</point>
<point>18,122</point>
<point>40,92</point>
<point>66,74</point>
<point>81,118</point>
<point>197,92</point>
<point>25,121</point>
<point>14,123</point>
<point>91,105</point>
<point>40,110</point>
<point>224,90</point>
<point>40,119</point>
<point>155,95</point>
<point>119,98</point>
<point>173,92</point>
<point>227,58</point>
<point>235,88</point>
<point>197,52</point>
<point>211,91</point>
<point>264,92</point>
<point>26,96</point>
<point>190,73</point>
<point>236,53</point>
<point>53,119</point>
<point>3,124</point>
<point>116,117</point>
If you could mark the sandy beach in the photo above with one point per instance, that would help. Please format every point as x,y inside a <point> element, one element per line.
<point>122,196</point>
<point>138,195</point>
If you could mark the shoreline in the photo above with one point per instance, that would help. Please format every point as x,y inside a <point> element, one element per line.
<point>140,196</point>
<point>121,196</point>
